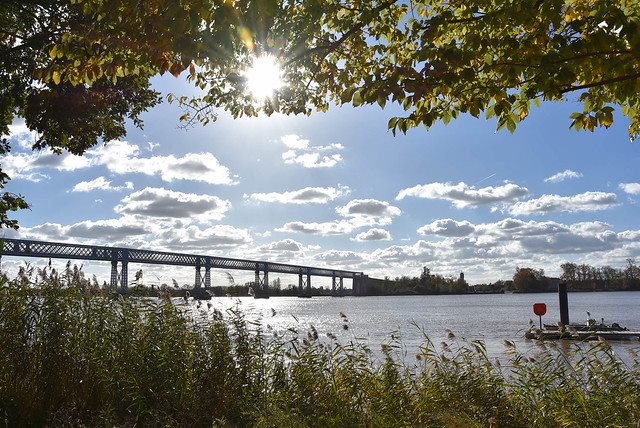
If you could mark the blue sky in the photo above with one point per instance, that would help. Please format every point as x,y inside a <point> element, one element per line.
<point>337,189</point>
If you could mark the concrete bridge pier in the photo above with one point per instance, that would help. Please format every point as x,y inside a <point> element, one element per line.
<point>304,286</point>
<point>198,281</point>
<point>198,292</point>
<point>119,279</point>
<point>337,286</point>
<point>359,285</point>
<point>207,277</point>
<point>261,287</point>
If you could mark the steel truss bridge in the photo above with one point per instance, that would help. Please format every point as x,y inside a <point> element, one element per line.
<point>124,256</point>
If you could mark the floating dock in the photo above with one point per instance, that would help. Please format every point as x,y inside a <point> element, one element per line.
<point>591,330</point>
<point>582,334</point>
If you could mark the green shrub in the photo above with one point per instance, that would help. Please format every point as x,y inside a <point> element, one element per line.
<point>72,354</point>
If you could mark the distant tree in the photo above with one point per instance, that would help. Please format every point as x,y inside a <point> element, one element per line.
<point>529,279</point>
<point>568,272</point>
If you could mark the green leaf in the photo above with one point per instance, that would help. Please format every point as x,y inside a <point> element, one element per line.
<point>357,98</point>
<point>392,123</point>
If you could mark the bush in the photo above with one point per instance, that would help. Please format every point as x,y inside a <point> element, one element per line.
<point>73,354</point>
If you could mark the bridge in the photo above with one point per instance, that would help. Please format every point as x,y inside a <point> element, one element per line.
<point>121,257</point>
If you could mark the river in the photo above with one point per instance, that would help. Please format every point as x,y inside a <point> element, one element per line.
<point>492,318</point>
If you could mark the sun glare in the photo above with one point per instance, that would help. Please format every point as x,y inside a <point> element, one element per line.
<point>263,77</point>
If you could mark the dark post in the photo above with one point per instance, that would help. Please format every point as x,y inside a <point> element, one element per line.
<point>564,303</point>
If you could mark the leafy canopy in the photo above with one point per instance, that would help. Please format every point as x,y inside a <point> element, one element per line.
<point>76,70</point>
<point>437,59</point>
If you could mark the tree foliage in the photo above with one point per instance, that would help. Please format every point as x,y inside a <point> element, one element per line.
<point>76,70</point>
<point>437,59</point>
<point>64,113</point>
<point>529,280</point>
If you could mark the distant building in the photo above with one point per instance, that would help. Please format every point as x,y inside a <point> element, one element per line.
<point>552,283</point>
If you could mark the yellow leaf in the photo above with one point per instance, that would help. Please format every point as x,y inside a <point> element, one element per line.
<point>56,77</point>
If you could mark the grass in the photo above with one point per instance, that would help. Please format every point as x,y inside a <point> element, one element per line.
<point>73,355</point>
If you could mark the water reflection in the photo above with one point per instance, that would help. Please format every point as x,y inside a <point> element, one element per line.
<point>490,318</point>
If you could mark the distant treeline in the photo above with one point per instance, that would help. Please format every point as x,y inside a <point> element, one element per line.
<point>426,283</point>
<point>579,277</point>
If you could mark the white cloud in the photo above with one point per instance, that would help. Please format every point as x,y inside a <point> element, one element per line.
<point>462,195</point>
<point>133,231</point>
<point>311,160</point>
<point>588,201</point>
<point>284,245</point>
<point>307,195</point>
<point>336,227</point>
<point>630,188</point>
<point>21,135</point>
<point>100,183</point>
<point>358,213</point>
<point>168,204</point>
<point>373,234</point>
<point>417,254</point>
<point>194,238</point>
<point>294,141</point>
<point>562,176</point>
<point>120,157</point>
<point>447,227</point>
<point>25,166</point>
<point>105,230</point>
<point>369,208</point>
<point>302,153</point>
<point>338,257</point>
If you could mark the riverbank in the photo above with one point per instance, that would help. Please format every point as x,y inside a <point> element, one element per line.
<point>75,355</point>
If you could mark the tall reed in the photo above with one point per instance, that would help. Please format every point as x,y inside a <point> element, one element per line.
<point>72,354</point>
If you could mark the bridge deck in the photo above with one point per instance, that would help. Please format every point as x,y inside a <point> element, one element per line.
<point>29,248</point>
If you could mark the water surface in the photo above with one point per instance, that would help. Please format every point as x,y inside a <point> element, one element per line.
<point>492,318</point>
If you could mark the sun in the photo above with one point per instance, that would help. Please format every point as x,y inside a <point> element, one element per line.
<point>264,77</point>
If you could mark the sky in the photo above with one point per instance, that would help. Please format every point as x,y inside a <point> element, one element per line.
<point>339,190</point>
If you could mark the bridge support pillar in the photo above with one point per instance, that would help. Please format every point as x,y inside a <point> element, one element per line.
<point>360,284</point>
<point>337,286</point>
<point>114,275</point>
<point>304,285</point>
<point>119,278</point>
<point>124,275</point>
<point>198,276</point>
<point>261,287</point>
<point>207,277</point>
